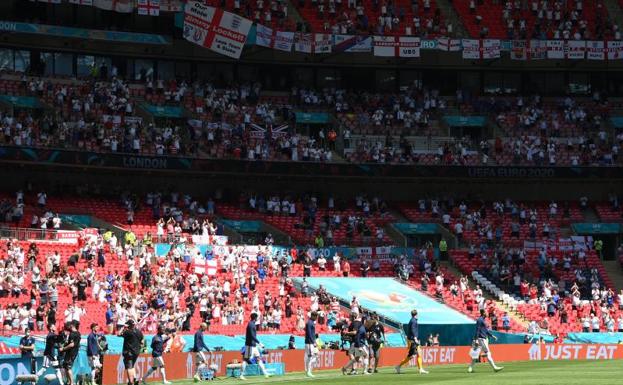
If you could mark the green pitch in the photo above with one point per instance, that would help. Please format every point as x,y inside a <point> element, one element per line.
<point>515,373</point>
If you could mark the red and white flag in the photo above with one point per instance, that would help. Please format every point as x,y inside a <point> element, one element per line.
<point>148,7</point>
<point>81,2</point>
<point>394,46</point>
<point>575,49</point>
<point>222,32</point>
<point>267,37</point>
<point>207,267</point>
<point>538,49</point>
<point>555,49</point>
<point>595,50</point>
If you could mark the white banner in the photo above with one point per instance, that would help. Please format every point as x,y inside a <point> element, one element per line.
<point>491,48</point>
<point>409,46</point>
<point>471,49</point>
<point>67,236</point>
<point>447,44</point>
<point>615,50</point>
<point>519,50</point>
<point>220,240</point>
<point>595,50</point>
<point>385,46</point>
<point>555,49</point>
<point>264,36</point>
<point>222,32</point>
<point>197,17</point>
<point>117,119</point>
<point>383,251</point>
<point>323,42</point>
<point>81,2</point>
<point>148,7</point>
<point>352,43</point>
<point>364,251</point>
<point>122,6</point>
<point>171,6</point>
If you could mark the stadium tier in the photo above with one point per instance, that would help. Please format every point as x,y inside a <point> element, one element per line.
<point>555,19</point>
<point>238,188</point>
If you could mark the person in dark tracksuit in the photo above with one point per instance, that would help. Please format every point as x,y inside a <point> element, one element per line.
<point>311,350</point>
<point>157,348</point>
<point>481,341</point>
<point>251,350</point>
<point>413,345</point>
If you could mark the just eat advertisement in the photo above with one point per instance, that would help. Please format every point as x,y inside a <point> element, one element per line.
<point>181,365</point>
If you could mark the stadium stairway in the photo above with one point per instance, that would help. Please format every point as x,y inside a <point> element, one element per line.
<point>590,215</point>
<point>513,313</point>
<point>294,14</point>
<point>447,9</point>
<point>613,269</point>
<point>614,11</point>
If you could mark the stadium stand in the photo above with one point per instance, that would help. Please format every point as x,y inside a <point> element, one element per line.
<point>417,18</point>
<point>536,19</point>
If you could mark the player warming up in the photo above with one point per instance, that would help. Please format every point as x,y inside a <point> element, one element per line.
<point>251,350</point>
<point>481,341</point>
<point>311,350</point>
<point>413,345</point>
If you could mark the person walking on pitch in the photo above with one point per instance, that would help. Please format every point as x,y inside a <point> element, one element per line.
<point>199,347</point>
<point>413,345</point>
<point>481,340</point>
<point>251,350</point>
<point>157,348</point>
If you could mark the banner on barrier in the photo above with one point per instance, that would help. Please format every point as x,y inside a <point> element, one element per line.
<point>182,365</point>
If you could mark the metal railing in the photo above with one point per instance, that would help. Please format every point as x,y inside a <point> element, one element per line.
<point>28,234</point>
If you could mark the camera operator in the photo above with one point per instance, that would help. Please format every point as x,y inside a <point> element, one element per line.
<point>52,342</point>
<point>358,351</point>
<point>376,339</point>
<point>132,346</point>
